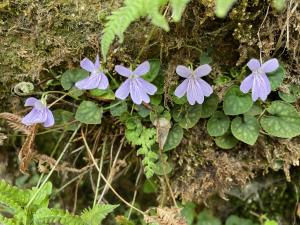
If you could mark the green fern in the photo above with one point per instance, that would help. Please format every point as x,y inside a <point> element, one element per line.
<point>139,135</point>
<point>178,7</point>
<point>38,213</point>
<point>21,197</point>
<point>120,19</point>
<point>147,140</point>
<point>48,216</point>
<point>7,221</point>
<point>95,215</point>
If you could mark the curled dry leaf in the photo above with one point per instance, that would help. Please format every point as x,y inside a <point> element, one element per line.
<point>166,216</point>
<point>15,122</point>
<point>2,138</point>
<point>163,127</point>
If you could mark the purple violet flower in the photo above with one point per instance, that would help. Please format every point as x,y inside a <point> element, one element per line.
<point>258,80</point>
<point>97,78</point>
<point>193,86</point>
<point>39,113</point>
<point>138,88</point>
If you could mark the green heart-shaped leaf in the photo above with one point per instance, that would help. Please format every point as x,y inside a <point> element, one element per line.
<point>218,124</point>
<point>89,113</point>
<point>174,138</point>
<point>284,120</point>
<point>276,77</point>
<point>63,118</point>
<point>70,77</point>
<point>227,141</point>
<point>209,106</point>
<point>254,110</point>
<point>118,110</point>
<point>291,95</point>
<point>187,116</point>
<point>154,70</point>
<point>236,102</point>
<point>245,129</point>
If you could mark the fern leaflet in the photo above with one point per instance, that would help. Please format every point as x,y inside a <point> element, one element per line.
<point>48,216</point>
<point>119,20</point>
<point>95,215</point>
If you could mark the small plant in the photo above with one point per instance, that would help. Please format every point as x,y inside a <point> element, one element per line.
<point>30,207</point>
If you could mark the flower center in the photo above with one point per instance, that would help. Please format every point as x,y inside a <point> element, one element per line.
<point>132,76</point>
<point>258,72</point>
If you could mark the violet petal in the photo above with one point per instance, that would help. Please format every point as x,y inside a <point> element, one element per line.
<point>87,65</point>
<point>103,83</point>
<point>202,70</point>
<point>123,91</point>
<point>123,71</point>
<point>147,86</point>
<point>270,66</point>
<point>30,101</point>
<point>49,122</point>
<point>181,89</point>
<point>89,83</point>
<point>183,71</point>
<point>247,84</point>
<point>142,69</point>
<point>205,87</point>
<point>253,64</point>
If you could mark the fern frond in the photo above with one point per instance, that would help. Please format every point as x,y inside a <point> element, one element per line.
<point>12,196</point>
<point>178,6</point>
<point>41,199</point>
<point>120,20</point>
<point>15,122</point>
<point>48,216</point>
<point>146,140</point>
<point>7,221</point>
<point>95,215</point>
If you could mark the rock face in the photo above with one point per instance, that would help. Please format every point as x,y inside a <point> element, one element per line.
<point>39,35</point>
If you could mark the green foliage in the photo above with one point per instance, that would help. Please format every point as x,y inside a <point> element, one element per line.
<point>119,21</point>
<point>31,207</point>
<point>283,121</point>
<point>270,222</point>
<point>235,220</point>
<point>279,4</point>
<point>174,138</point>
<point>119,109</point>
<point>95,215</point>
<point>89,113</point>
<point>223,6</point>
<point>7,221</point>
<point>188,116</point>
<point>107,94</point>
<point>227,141</point>
<point>178,7</point>
<point>48,216</point>
<point>254,110</point>
<point>292,94</point>
<point>145,138</point>
<point>235,102</point>
<point>149,186</point>
<point>206,217</point>
<point>64,118</point>
<point>276,78</point>
<point>218,124</point>
<point>69,78</point>
<point>189,212</point>
<point>245,129</point>
<point>154,70</point>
